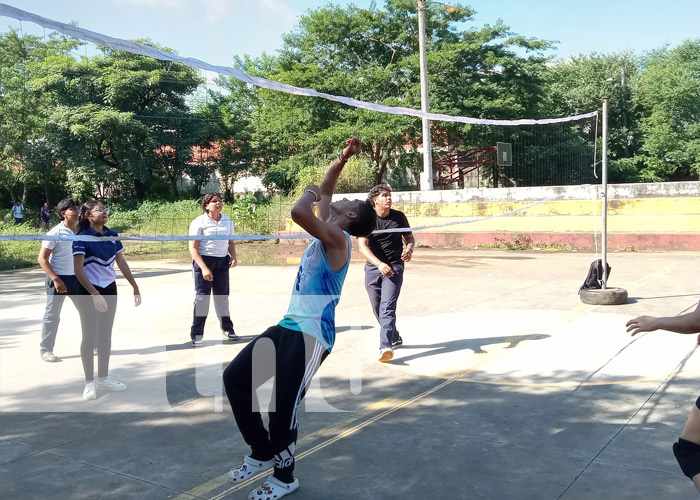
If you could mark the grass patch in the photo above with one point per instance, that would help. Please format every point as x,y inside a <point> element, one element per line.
<point>154,218</point>
<point>18,254</point>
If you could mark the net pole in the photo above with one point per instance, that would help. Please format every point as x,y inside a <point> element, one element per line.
<point>604,194</point>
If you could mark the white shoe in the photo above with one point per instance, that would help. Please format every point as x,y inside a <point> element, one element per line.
<point>110,384</point>
<point>90,391</point>
<point>249,468</point>
<point>49,357</point>
<point>386,354</point>
<point>273,488</point>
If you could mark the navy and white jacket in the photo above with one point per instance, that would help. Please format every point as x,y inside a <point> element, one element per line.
<point>99,256</point>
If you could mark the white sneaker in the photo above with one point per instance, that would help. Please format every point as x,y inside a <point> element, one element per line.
<point>273,488</point>
<point>249,468</point>
<point>90,391</point>
<point>386,354</point>
<point>110,384</point>
<point>49,357</point>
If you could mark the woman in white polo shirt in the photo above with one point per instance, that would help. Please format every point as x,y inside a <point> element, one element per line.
<point>211,261</point>
<point>56,259</point>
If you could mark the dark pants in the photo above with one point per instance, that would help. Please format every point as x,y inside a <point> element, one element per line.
<point>97,331</point>
<point>219,267</point>
<point>383,295</point>
<point>292,358</point>
<point>54,304</point>
<point>18,221</point>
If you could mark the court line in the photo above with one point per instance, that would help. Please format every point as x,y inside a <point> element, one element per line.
<point>484,359</point>
<point>487,358</point>
<point>205,489</point>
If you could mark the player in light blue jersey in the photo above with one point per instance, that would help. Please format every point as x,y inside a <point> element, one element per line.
<point>292,350</point>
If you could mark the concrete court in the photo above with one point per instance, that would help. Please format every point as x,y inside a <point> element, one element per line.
<point>508,387</point>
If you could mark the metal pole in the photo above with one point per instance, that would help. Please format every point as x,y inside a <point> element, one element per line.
<point>426,182</point>
<point>604,194</point>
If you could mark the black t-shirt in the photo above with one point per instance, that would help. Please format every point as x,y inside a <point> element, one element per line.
<point>388,246</point>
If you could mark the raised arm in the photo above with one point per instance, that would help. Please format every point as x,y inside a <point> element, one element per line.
<point>303,215</point>
<point>327,186</point>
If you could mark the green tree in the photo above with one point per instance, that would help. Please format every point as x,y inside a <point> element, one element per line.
<point>116,114</point>
<point>669,93</point>
<point>25,154</point>
<point>579,85</point>
<point>372,55</point>
<point>228,123</point>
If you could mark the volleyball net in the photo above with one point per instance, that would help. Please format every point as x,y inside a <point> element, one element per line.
<point>487,153</point>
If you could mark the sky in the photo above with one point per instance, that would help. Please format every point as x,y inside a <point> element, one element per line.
<point>216,30</point>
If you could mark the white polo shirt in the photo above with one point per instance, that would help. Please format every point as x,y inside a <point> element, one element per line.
<point>61,258</point>
<point>206,226</point>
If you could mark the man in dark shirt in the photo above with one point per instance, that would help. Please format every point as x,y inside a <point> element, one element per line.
<point>386,254</point>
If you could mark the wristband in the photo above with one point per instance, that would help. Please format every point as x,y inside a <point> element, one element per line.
<point>96,293</point>
<point>342,157</point>
<point>312,192</point>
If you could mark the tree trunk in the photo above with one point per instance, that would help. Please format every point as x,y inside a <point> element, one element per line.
<point>172,177</point>
<point>377,158</point>
<point>176,192</point>
<point>141,189</point>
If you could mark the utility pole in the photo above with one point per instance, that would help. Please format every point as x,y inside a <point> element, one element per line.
<point>426,180</point>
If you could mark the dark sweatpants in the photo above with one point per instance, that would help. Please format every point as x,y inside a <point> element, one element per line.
<point>219,267</point>
<point>383,296</point>
<point>294,357</point>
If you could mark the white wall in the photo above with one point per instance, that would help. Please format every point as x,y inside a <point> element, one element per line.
<point>581,192</point>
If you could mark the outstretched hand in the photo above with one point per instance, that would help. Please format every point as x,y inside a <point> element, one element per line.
<point>640,324</point>
<point>353,147</point>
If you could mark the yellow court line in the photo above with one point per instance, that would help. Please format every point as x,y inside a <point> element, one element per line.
<point>482,360</point>
<point>205,488</point>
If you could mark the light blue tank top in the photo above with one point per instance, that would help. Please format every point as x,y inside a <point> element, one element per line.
<point>315,294</point>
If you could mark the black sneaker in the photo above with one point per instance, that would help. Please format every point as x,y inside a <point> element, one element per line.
<point>397,343</point>
<point>230,335</point>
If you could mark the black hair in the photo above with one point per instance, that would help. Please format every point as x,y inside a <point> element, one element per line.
<point>376,191</point>
<point>65,204</point>
<point>207,199</point>
<point>86,208</point>
<point>365,221</point>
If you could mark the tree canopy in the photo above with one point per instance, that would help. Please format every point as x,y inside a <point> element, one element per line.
<point>119,125</point>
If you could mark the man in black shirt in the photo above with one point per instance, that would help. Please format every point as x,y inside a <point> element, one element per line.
<point>386,254</point>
